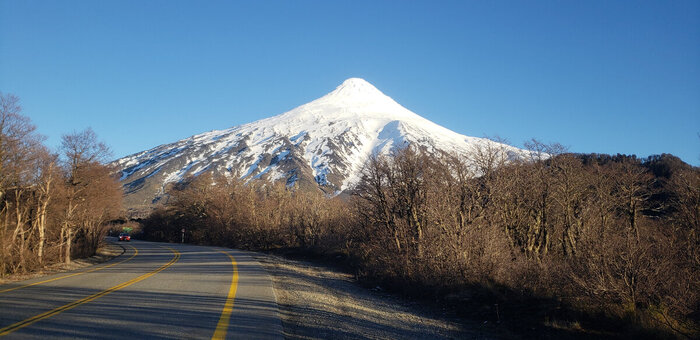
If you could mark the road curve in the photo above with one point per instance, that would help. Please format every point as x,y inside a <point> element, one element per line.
<point>153,290</point>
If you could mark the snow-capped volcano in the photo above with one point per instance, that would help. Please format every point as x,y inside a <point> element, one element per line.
<point>322,144</point>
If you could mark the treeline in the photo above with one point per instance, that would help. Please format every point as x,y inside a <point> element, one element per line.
<point>611,233</point>
<point>52,208</point>
<point>226,212</point>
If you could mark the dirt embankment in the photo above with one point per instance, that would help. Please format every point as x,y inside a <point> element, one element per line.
<point>319,302</point>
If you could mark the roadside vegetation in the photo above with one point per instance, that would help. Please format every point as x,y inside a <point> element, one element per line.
<point>560,244</point>
<point>53,208</point>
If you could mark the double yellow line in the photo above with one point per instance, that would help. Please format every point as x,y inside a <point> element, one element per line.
<point>221,326</point>
<point>224,319</point>
<point>136,251</point>
<point>11,328</point>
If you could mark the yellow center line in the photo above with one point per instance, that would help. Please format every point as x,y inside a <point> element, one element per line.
<point>136,251</point>
<point>222,326</point>
<point>11,328</point>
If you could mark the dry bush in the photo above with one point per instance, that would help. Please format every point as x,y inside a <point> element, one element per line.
<point>225,211</point>
<point>556,226</point>
<point>50,211</point>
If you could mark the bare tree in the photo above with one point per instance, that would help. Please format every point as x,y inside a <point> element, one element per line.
<point>82,151</point>
<point>47,174</point>
<point>632,184</point>
<point>16,140</point>
<point>18,145</point>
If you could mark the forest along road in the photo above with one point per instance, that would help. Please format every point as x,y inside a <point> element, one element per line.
<point>152,290</point>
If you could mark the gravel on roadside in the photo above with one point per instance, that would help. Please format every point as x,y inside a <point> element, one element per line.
<point>319,302</point>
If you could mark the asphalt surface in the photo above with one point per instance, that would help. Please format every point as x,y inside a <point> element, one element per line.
<point>153,290</point>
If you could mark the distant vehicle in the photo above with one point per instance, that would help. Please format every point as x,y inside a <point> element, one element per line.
<point>124,237</point>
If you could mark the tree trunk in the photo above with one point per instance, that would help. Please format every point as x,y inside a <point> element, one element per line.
<point>67,228</point>
<point>42,206</point>
<point>3,241</point>
<point>69,241</point>
<point>41,226</point>
<point>62,238</point>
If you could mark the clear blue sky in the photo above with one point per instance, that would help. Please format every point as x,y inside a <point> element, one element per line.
<point>596,76</point>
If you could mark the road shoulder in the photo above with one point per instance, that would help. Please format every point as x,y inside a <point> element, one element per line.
<point>319,302</point>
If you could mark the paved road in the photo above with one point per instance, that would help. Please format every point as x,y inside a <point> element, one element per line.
<point>153,290</point>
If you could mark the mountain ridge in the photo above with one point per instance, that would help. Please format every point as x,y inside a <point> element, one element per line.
<point>323,143</point>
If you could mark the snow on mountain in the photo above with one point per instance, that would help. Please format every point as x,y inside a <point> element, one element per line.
<point>323,143</point>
